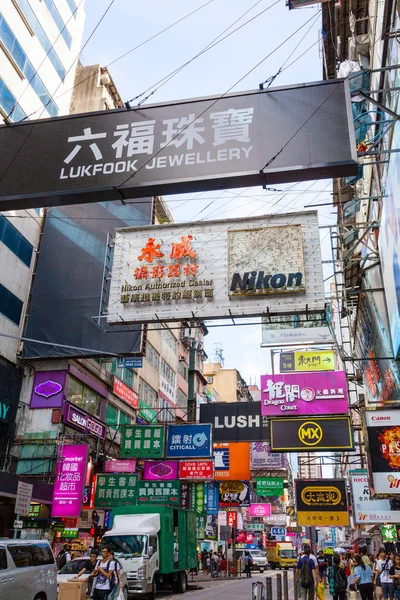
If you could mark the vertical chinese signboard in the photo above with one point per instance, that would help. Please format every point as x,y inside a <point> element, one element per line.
<point>211,496</point>
<point>69,481</point>
<point>115,490</point>
<point>198,497</point>
<point>159,492</point>
<point>186,495</point>
<point>143,441</point>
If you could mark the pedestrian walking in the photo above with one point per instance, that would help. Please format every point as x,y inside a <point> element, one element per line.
<point>247,564</point>
<point>104,576</point>
<point>337,579</point>
<point>306,567</point>
<point>383,566</point>
<point>395,576</point>
<point>363,578</point>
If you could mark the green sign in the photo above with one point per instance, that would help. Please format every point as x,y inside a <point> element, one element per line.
<point>198,497</point>
<point>159,492</point>
<point>254,527</point>
<point>142,441</point>
<point>147,413</point>
<point>57,527</point>
<point>269,486</point>
<point>389,533</point>
<point>201,527</point>
<point>34,510</point>
<point>115,490</point>
<point>70,533</point>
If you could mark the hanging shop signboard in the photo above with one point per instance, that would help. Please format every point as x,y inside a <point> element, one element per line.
<point>120,466</point>
<point>300,361</point>
<point>235,421</point>
<point>202,144</point>
<point>211,497</point>
<point>367,510</point>
<point>82,421</point>
<point>295,330</point>
<point>186,495</point>
<point>69,481</point>
<point>142,441</point>
<point>304,394</point>
<point>196,469</point>
<point>260,510</point>
<point>156,470</point>
<point>383,434</point>
<point>311,435</point>
<point>262,458</point>
<point>189,441</point>
<point>198,497</point>
<point>322,503</point>
<point>269,486</point>
<point>48,389</point>
<point>217,269</point>
<point>232,460</point>
<point>126,393</point>
<point>389,533</point>
<point>159,492</point>
<point>276,519</point>
<point>115,490</point>
<point>234,493</point>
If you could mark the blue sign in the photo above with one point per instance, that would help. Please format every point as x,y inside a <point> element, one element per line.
<point>189,441</point>
<point>330,544</point>
<point>278,531</point>
<point>212,497</point>
<point>221,459</point>
<point>133,362</point>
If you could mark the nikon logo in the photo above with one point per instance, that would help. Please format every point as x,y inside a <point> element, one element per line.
<point>262,282</point>
<point>310,433</point>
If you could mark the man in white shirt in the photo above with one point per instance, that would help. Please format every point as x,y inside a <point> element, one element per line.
<point>383,566</point>
<point>103,572</point>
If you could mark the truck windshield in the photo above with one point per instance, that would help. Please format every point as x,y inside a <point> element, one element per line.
<point>287,553</point>
<point>258,553</point>
<point>126,546</point>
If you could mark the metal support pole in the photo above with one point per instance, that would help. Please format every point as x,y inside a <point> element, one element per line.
<point>268,586</point>
<point>285,585</point>
<point>295,584</point>
<point>191,393</point>
<point>278,586</point>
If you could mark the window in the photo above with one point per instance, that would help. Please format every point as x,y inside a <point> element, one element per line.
<point>81,395</point>
<point>3,559</point>
<point>31,555</point>
<point>10,305</point>
<point>124,419</point>
<point>18,55</point>
<point>126,375</point>
<point>15,241</point>
<point>152,356</point>
<point>183,369</point>
<point>170,339</point>
<point>36,459</point>
<point>9,103</point>
<point>147,394</point>
<point>59,22</point>
<point>115,416</point>
<point>168,373</point>
<point>72,7</point>
<point>38,30</point>
<point>181,399</point>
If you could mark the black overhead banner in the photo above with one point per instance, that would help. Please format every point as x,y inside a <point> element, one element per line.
<point>10,388</point>
<point>236,421</point>
<point>293,133</point>
<point>311,435</point>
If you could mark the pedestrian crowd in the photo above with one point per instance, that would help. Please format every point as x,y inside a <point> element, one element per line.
<point>373,577</point>
<point>212,563</point>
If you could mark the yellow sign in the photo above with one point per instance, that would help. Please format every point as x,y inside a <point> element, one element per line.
<point>328,551</point>
<point>300,361</point>
<point>323,519</point>
<point>310,433</point>
<point>324,495</point>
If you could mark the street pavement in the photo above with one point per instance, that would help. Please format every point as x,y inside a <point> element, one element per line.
<point>227,589</point>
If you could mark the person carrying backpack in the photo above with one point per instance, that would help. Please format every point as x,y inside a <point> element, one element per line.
<point>104,574</point>
<point>64,556</point>
<point>306,569</point>
<point>337,580</point>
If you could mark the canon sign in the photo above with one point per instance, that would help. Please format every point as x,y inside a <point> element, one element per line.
<point>239,422</point>
<point>385,418</point>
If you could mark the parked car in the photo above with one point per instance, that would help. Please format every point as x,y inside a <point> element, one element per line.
<point>28,570</point>
<point>72,568</point>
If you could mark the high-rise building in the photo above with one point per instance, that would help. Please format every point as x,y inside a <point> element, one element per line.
<point>309,466</point>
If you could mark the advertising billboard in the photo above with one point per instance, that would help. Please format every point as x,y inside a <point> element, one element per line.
<point>203,144</point>
<point>235,421</point>
<point>269,486</point>
<point>295,330</point>
<point>140,441</point>
<point>196,469</point>
<point>126,393</point>
<point>322,502</point>
<point>303,360</point>
<point>231,460</point>
<point>189,441</point>
<point>48,389</point>
<point>160,469</point>
<point>304,394</point>
<point>311,435</point>
<point>262,458</point>
<point>383,435</point>
<point>217,269</point>
<point>234,493</point>
<point>69,481</point>
<point>159,492</point>
<point>260,510</point>
<point>368,510</point>
<point>115,490</point>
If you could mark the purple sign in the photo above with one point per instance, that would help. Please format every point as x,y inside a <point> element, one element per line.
<point>70,481</point>
<point>79,419</point>
<point>260,510</point>
<point>160,469</point>
<point>48,389</point>
<point>307,394</point>
<point>120,466</point>
<point>261,457</point>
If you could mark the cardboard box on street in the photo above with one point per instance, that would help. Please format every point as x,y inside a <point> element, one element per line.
<point>72,590</point>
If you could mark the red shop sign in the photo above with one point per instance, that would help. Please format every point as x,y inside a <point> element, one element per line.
<point>196,469</point>
<point>124,392</point>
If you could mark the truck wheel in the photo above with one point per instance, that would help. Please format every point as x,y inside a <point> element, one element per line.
<point>152,594</point>
<point>261,570</point>
<point>182,583</point>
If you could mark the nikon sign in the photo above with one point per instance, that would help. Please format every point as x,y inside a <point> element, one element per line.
<point>217,269</point>
<point>295,133</point>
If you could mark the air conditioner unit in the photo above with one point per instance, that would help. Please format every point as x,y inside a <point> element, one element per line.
<point>185,333</point>
<point>105,79</point>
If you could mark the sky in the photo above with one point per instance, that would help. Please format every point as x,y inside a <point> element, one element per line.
<point>229,65</point>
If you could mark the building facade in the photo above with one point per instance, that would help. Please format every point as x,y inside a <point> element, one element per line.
<point>227,383</point>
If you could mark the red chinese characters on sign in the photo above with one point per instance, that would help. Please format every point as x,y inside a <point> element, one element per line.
<point>179,250</point>
<point>196,469</point>
<point>183,248</point>
<point>124,392</point>
<point>150,251</point>
<point>232,518</point>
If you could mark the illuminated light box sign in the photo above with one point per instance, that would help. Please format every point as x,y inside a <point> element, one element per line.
<point>311,435</point>
<point>235,421</point>
<point>160,469</point>
<point>322,502</point>
<point>200,144</point>
<point>217,269</point>
<point>367,510</point>
<point>299,361</point>
<point>295,330</point>
<point>383,433</point>
<point>69,481</point>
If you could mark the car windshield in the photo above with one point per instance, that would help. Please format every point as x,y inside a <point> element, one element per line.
<point>126,546</point>
<point>257,553</point>
<point>74,566</point>
<point>288,553</point>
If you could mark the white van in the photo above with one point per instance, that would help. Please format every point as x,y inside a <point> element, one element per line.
<point>28,570</point>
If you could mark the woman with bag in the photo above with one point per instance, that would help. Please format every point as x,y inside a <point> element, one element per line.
<point>395,576</point>
<point>363,577</point>
<point>383,566</point>
<point>337,580</point>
